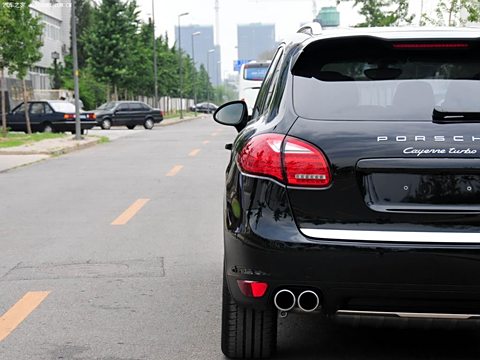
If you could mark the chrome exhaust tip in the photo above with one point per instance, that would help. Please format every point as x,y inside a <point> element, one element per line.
<point>284,300</point>
<point>308,301</point>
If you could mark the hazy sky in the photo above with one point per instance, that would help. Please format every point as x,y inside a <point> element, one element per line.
<point>287,15</point>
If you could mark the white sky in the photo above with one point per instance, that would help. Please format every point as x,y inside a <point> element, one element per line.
<point>287,15</point>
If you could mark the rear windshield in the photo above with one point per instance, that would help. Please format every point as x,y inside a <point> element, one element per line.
<point>255,72</point>
<point>365,78</point>
<point>63,107</point>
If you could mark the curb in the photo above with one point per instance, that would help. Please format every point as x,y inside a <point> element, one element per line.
<point>56,151</point>
<point>180,120</point>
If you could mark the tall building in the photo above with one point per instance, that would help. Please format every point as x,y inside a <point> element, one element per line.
<point>203,42</point>
<point>55,16</point>
<point>254,40</point>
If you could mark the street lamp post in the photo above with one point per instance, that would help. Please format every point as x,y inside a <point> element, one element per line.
<point>180,62</point>
<point>194,65</point>
<point>56,78</point>
<point>208,73</point>
<point>154,56</point>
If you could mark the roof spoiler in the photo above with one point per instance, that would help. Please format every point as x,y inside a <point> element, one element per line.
<point>313,28</point>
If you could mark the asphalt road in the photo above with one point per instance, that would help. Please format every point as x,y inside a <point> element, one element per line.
<point>115,252</point>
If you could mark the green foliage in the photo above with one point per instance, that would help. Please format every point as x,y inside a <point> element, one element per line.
<point>24,38</point>
<point>225,93</point>
<point>383,12</point>
<point>448,13</point>
<point>115,50</point>
<point>92,91</point>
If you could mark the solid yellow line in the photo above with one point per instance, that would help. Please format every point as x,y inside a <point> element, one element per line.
<point>19,312</point>
<point>206,142</point>
<point>194,152</point>
<point>175,170</point>
<point>130,212</point>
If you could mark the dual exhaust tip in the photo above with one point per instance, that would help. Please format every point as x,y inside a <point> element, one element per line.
<point>285,300</point>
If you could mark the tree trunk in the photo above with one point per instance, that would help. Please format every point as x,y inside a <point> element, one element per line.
<point>4,108</point>
<point>27,110</point>
<point>115,92</point>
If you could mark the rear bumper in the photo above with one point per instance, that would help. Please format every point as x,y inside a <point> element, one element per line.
<point>70,125</point>
<point>359,277</point>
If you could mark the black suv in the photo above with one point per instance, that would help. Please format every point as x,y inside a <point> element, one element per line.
<point>354,188</point>
<point>127,113</point>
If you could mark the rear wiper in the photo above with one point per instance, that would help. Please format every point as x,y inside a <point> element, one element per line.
<point>452,117</point>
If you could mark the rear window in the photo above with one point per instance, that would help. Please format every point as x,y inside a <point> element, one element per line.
<point>255,72</point>
<point>63,107</point>
<point>364,78</point>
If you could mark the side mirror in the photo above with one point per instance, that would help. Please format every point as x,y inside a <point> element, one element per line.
<point>234,113</point>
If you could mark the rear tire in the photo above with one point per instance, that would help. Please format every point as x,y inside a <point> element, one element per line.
<point>47,128</point>
<point>106,124</point>
<point>149,124</point>
<point>131,127</point>
<point>247,333</point>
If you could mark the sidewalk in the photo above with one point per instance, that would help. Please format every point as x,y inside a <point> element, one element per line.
<point>14,157</point>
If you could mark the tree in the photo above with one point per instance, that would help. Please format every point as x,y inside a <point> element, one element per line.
<point>108,42</point>
<point>85,13</point>
<point>383,12</point>
<point>26,40</point>
<point>5,56</point>
<point>450,13</point>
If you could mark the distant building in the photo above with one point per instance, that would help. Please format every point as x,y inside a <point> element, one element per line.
<point>255,40</point>
<point>328,17</point>
<point>203,43</point>
<point>55,16</point>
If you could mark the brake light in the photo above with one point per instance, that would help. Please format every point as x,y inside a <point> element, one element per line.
<point>69,116</point>
<point>298,164</point>
<point>254,289</point>
<point>262,156</point>
<point>91,116</point>
<point>305,165</point>
<point>431,46</point>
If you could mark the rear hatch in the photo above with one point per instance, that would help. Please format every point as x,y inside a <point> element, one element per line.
<point>399,124</point>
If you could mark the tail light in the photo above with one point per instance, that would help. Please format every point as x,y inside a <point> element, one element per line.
<point>69,116</point>
<point>262,156</point>
<point>305,165</point>
<point>290,160</point>
<point>91,116</point>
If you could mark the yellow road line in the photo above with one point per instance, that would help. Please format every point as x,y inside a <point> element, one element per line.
<point>194,152</point>
<point>130,212</point>
<point>206,142</point>
<point>19,312</point>
<point>175,170</point>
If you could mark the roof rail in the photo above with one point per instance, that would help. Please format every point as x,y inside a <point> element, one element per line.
<point>313,28</point>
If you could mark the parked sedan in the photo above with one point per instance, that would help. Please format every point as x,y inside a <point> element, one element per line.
<point>127,113</point>
<point>207,108</point>
<point>49,116</point>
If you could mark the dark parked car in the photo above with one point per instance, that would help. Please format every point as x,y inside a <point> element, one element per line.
<point>127,113</point>
<point>353,190</point>
<point>49,116</point>
<point>207,108</point>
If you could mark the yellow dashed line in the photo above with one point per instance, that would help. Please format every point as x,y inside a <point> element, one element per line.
<point>19,312</point>
<point>194,152</point>
<point>175,170</point>
<point>130,212</point>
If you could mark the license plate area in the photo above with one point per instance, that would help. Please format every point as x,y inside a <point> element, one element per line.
<point>408,187</point>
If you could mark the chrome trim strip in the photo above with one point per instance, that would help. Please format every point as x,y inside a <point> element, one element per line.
<point>262,178</point>
<point>410,315</point>
<point>393,236</point>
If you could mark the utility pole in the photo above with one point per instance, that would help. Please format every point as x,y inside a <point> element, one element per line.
<point>78,129</point>
<point>180,62</point>
<point>155,75</point>
<point>195,67</point>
